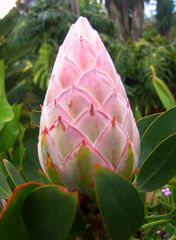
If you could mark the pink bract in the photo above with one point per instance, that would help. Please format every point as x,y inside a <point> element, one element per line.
<point>86,117</point>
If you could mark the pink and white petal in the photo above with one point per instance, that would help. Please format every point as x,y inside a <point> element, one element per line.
<point>74,101</point>
<point>105,65</point>
<point>125,164</point>
<point>59,59</point>
<point>91,123</point>
<point>128,123</point>
<point>82,53</point>
<point>132,131</point>
<point>50,116</point>
<point>112,142</point>
<point>67,73</point>
<point>80,163</point>
<point>97,84</point>
<point>115,105</point>
<point>48,152</point>
<point>52,91</point>
<point>42,153</point>
<point>65,137</point>
<point>70,38</point>
<point>80,28</point>
<point>121,88</point>
<point>99,44</point>
<point>136,144</point>
<point>136,138</point>
<point>84,29</point>
<point>54,152</point>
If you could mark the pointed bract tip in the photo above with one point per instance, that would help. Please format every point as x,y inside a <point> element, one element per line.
<point>63,189</point>
<point>84,142</point>
<point>59,118</point>
<point>92,112</point>
<point>96,167</point>
<point>61,123</point>
<point>52,127</point>
<point>48,161</point>
<point>82,20</point>
<point>81,38</point>
<point>45,131</point>
<point>82,24</point>
<point>113,121</point>
<point>136,170</point>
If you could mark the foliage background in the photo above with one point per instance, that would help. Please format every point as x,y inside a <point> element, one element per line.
<point>29,39</point>
<point>31,34</point>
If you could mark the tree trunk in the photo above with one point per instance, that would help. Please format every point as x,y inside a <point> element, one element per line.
<point>115,13</point>
<point>137,19</point>
<point>125,16</point>
<point>128,17</point>
<point>75,7</point>
<point>164,17</point>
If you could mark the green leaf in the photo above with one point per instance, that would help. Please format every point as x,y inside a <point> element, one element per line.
<point>6,113</point>
<point>53,211</point>
<point>120,204</point>
<point>11,222</point>
<point>5,190</point>
<point>79,224</point>
<point>18,149</point>
<point>35,117</point>
<point>145,122</point>
<point>13,173</point>
<point>31,165</point>
<point>53,174</point>
<point>10,130</point>
<point>42,65</point>
<point>1,126</point>
<point>137,113</point>
<point>159,167</point>
<point>82,170</point>
<point>161,128</point>
<point>163,91</point>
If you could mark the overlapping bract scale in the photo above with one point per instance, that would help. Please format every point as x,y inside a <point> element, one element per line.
<point>86,117</point>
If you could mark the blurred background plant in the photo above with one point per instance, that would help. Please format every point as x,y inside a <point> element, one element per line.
<point>143,50</point>
<point>31,33</point>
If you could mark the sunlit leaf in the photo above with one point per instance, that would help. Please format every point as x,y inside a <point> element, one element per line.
<point>6,112</point>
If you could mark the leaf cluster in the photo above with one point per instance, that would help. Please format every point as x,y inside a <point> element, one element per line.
<point>133,61</point>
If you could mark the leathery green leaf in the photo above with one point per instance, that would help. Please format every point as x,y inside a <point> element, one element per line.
<point>159,167</point>
<point>11,221</point>
<point>5,190</point>
<point>120,204</point>
<point>53,210</point>
<point>6,113</point>
<point>163,91</point>
<point>10,130</point>
<point>145,122</point>
<point>160,129</point>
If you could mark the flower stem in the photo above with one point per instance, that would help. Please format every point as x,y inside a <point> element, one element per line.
<point>151,224</point>
<point>155,217</point>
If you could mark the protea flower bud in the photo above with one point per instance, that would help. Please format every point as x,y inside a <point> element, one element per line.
<point>86,118</point>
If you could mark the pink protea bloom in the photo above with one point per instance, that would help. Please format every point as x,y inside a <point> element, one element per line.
<point>86,118</point>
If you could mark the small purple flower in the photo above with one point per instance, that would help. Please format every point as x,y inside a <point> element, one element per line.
<point>163,234</point>
<point>166,191</point>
